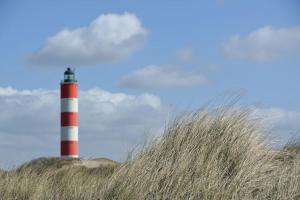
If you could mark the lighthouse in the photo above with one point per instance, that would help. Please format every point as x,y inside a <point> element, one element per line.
<point>69,115</point>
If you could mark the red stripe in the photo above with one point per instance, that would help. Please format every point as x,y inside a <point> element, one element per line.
<point>69,119</point>
<point>68,148</point>
<point>69,90</point>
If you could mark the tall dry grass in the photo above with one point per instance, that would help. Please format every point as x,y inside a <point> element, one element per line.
<point>219,154</point>
<point>53,178</point>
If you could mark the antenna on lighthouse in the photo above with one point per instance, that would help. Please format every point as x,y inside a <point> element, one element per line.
<point>69,115</point>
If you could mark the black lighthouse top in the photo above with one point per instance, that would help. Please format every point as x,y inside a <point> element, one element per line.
<point>69,76</point>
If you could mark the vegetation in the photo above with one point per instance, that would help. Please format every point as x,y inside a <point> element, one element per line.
<point>217,154</point>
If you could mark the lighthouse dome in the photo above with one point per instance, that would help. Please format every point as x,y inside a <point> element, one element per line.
<point>69,75</point>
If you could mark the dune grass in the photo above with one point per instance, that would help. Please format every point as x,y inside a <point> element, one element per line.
<point>218,154</point>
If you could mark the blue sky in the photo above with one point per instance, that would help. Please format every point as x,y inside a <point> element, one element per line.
<point>181,54</point>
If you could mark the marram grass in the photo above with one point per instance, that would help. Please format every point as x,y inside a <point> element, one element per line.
<point>218,154</point>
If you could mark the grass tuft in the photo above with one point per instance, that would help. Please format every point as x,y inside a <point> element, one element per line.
<point>219,154</point>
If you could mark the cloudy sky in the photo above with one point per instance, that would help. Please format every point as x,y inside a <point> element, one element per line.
<point>139,63</point>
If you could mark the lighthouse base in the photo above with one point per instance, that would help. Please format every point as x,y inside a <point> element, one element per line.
<point>69,157</point>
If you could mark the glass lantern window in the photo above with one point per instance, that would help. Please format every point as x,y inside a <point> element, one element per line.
<point>69,77</point>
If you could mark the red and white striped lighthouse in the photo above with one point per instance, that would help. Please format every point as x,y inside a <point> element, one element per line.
<point>69,115</point>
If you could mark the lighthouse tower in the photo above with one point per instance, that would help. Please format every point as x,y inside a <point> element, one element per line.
<point>69,115</point>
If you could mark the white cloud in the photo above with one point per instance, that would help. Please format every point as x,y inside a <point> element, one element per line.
<point>157,77</point>
<point>185,54</point>
<point>283,123</point>
<point>110,124</point>
<point>109,38</point>
<point>264,44</point>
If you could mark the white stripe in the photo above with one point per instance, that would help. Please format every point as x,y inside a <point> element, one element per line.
<point>69,133</point>
<point>69,156</point>
<point>69,105</point>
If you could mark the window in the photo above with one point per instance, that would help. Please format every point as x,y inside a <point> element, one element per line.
<point>69,77</point>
